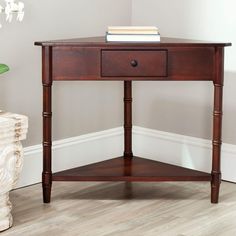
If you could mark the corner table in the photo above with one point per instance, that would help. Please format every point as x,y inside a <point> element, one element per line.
<point>95,59</point>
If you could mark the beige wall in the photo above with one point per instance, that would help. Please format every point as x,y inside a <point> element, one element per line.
<point>186,108</point>
<point>81,107</point>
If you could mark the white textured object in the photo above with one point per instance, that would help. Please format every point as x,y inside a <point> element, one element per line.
<point>13,129</point>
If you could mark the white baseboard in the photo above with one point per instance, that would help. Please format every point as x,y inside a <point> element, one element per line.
<point>186,151</point>
<point>167,147</point>
<point>72,152</point>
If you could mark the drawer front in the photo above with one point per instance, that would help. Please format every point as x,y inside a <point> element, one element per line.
<point>135,63</point>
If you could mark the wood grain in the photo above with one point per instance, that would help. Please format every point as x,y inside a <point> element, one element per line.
<point>100,41</point>
<point>119,209</point>
<point>131,169</point>
<point>149,63</point>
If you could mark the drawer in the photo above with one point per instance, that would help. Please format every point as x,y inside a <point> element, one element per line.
<point>138,63</point>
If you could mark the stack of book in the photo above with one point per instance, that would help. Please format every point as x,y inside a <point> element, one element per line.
<point>132,34</point>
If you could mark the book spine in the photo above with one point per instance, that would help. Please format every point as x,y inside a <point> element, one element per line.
<point>132,38</point>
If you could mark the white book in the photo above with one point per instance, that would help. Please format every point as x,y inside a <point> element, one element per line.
<point>132,30</point>
<point>133,38</point>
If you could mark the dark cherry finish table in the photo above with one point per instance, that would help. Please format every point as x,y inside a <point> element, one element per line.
<point>95,59</point>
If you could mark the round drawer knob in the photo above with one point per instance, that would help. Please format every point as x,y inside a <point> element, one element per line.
<point>134,63</point>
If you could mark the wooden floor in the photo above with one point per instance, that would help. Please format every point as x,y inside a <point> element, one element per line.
<point>123,209</point>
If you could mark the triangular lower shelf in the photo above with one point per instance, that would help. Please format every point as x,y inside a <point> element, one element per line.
<point>131,169</point>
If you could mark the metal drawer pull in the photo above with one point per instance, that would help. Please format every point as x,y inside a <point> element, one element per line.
<point>134,63</point>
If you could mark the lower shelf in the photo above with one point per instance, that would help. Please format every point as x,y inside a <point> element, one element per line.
<point>131,169</point>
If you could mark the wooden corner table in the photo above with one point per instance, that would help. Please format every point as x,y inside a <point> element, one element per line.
<point>169,60</point>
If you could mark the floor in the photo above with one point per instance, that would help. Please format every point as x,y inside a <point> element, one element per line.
<point>124,209</point>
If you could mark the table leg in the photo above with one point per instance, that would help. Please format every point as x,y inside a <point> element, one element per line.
<point>47,125</point>
<point>128,119</point>
<point>216,150</point>
<point>217,124</point>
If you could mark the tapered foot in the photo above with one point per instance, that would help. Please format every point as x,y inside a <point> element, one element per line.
<point>215,187</point>
<point>46,194</point>
<point>215,194</point>
<point>47,186</point>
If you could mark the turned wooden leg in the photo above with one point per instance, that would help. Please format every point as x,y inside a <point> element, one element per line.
<point>47,126</point>
<point>128,119</point>
<point>47,145</point>
<point>217,123</point>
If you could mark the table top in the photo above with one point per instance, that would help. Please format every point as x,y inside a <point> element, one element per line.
<point>101,42</point>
